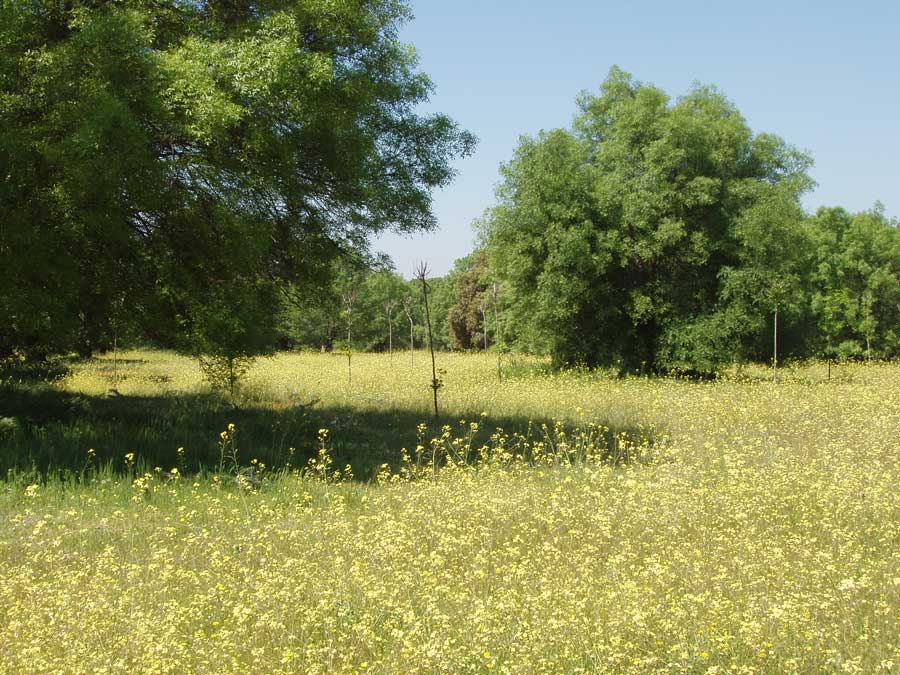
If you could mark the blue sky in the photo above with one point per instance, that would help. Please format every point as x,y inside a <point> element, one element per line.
<point>823,75</point>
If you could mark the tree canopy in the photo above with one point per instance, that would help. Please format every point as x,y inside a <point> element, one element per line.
<point>635,237</point>
<point>183,159</point>
<point>855,282</point>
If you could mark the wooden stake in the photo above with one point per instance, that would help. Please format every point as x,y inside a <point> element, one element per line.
<point>422,274</point>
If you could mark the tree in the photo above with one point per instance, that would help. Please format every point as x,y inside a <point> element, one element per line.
<point>379,289</point>
<point>613,235</point>
<point>308,317</point>
<point>348,297</point>
<point>440,298</point>
<point>312,318</point>
<point>762,306</point>
<point>498,334</point>
<point>390,307</point>
<point>229,333</point>
<point>166,150</point>
<point>856,279</point>
<point>467,316</point>
<point>422,277</point>
<point>408,306</point>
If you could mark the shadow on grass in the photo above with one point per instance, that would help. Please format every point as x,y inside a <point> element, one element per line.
<point>50,431</point>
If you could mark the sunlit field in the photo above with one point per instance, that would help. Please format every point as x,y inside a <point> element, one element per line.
<point>609,525</point>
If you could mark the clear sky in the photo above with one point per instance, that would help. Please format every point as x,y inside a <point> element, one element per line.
<point>823,75</point>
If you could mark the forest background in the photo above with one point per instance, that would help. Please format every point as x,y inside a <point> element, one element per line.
<point>210,177</point>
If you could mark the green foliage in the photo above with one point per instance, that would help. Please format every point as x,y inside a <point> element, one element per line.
<point>769,273</point>
<point>315,317</point>
<point>857,283</point>
<point>472,302</point>
<point>154,149</point>
<point>309,316</point>
<point>377,289</point>
<point>441,299</point>
<point>624,240</point>
<point>229,329</point>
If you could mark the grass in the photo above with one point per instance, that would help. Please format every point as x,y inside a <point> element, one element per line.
<point>164,404</point>
<point>759,533</point>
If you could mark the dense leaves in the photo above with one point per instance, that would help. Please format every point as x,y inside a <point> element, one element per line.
<point>318,320</point>
<point>468,316</point>
<point>856,283</point>
<point>182,156</point>
<point>667,235</point>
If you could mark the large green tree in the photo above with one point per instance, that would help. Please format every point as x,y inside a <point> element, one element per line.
<point>762,300</point>
<point>613,236</point>
<point>856,281</point>
<point>472,302</point>
<point>180,156</point>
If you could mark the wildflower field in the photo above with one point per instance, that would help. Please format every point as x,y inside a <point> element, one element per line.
<point>548,523</point>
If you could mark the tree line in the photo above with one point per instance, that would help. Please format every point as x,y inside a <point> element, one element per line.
<point>666,236</point>
<point>388,310</point>
<point>825,285</point>
<point>172,171</point>
<point>207,176</point>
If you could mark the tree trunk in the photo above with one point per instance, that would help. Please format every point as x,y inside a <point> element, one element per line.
<point>498,336</point>
<point>434,381</point>
<point>775,348</point>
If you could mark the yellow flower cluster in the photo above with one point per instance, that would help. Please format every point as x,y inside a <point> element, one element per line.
<point>753,529</point>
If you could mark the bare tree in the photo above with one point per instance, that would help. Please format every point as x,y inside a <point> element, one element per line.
<point>389,307</point>
<point>349,298</point>
<point>777,291</point>
<point>868,324</point>
<point>775,346</point>
<point>779,294</point>
<point>408,307</point>
<point>422,275</point>
<point>118,308</point>
<point>498,336</point>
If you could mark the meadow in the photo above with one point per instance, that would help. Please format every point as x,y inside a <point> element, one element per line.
<point>549,523</point>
